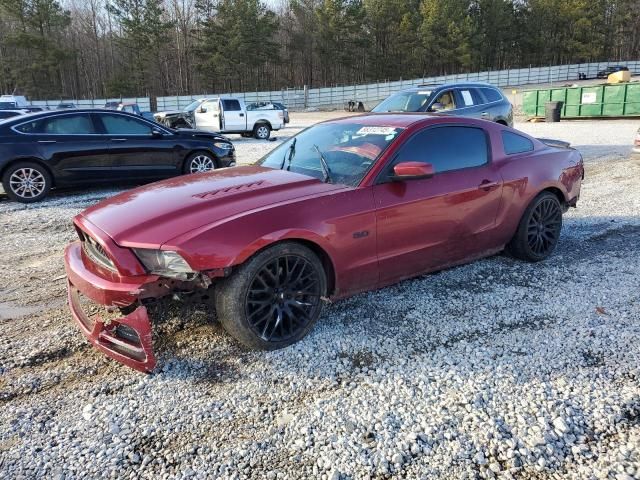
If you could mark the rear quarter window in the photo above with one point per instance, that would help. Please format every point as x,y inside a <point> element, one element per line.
<point>491,94</point>
<point>514,143</point>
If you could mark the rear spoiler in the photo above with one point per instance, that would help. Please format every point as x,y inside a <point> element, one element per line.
<point>554,143</point>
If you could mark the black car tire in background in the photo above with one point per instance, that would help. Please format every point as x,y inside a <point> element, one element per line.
<point>26,182</point>
<point>200,162</point>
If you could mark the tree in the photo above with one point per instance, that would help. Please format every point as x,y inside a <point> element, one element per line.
<point>145,34</point>
<point>237,43</point>
<point>32,54</point>
<point>445,33</point>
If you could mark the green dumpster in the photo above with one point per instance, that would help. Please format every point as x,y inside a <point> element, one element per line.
<point>617,100</point>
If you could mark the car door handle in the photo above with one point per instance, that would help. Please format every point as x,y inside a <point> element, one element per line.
<point>242,114</point>
<point>485,114</point>
<point>46,141</point>
<point>487,185</point>
<point>118,139</point>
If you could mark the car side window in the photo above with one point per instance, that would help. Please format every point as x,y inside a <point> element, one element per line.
<point>514,143</point>
<point>491,95</point>
<point>211,105</point>
<point>231,105</point>
<point>446,148</point>
<point>471,97</point>
<point>123,125</point>
<point>447,100</point>
<point>79,124</point>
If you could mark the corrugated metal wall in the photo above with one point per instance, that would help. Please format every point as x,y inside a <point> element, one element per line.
<point>370,94</point>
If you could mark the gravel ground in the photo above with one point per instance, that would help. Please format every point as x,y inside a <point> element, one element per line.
<point>494,369</point>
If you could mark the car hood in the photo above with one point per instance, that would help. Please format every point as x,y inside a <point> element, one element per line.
<point>167,113</point>
<point>149,216</point>
<point>189,133</point>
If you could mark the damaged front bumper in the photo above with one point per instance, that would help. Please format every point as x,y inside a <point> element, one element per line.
<point>127,339</point>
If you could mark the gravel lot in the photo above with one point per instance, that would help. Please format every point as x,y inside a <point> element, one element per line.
<point>494,369</point>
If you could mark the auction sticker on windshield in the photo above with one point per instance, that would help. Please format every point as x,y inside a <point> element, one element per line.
<point>376,131</point>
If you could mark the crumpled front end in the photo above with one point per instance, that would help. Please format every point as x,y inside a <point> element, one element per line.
<point>109,289</point>
<point>96,303</point>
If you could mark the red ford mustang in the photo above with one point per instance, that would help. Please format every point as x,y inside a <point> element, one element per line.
<point>344,206</point>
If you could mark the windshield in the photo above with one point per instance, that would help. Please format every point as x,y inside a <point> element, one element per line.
<point>404,102</point>
<point>7,105</point>
<point>193,105</point>
<point>333,152</point>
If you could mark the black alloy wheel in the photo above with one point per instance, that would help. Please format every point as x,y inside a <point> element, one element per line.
<point>282,297</point>
<point>539,229</point>
<point>543,229</point>
<point>274,298</point>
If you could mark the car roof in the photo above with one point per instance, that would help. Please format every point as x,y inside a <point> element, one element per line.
<point>52,113</point>
<point>398,120</point>
<point>440,86</point>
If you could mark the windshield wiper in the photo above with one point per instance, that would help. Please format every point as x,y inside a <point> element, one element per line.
<point>325,167</point>
<point>291,150</point>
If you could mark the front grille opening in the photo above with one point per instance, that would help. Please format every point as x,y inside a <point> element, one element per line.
<point>127,333</point>
<point>89,309</point>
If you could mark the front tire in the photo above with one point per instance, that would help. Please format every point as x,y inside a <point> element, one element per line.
<point>26,182</point>
<point>539,229</point>
<point>199,162</point>
<point>262,131</point>
<point>274,299</point>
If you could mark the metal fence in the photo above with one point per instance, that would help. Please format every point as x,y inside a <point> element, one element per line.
<point>370,94</point>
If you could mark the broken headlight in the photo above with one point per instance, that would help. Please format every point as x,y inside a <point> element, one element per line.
<point>165,263</point>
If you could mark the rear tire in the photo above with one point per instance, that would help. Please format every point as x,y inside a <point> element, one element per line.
<point>539,229</point>
<point>274,298</point>
<point>262,131</point>
<point>26,182</point>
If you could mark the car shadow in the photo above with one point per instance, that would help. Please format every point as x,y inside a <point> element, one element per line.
<point>407,312</point>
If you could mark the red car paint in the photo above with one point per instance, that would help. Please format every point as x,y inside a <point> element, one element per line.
<point>368,236</point>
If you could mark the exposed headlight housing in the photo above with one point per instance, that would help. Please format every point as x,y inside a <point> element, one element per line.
<point>165,263</point>
<point>223,145</point>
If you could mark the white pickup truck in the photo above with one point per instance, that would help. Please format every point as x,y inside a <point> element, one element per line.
<point>224,115</point>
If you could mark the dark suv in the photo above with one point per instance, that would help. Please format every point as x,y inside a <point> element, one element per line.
<point>612,69</point>
<point>473,99</point>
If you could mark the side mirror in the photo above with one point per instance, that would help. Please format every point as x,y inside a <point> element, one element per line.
<point>436,107</point>
<point>412,171</point>
<point>155,133</point>
<point>202,110</point>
